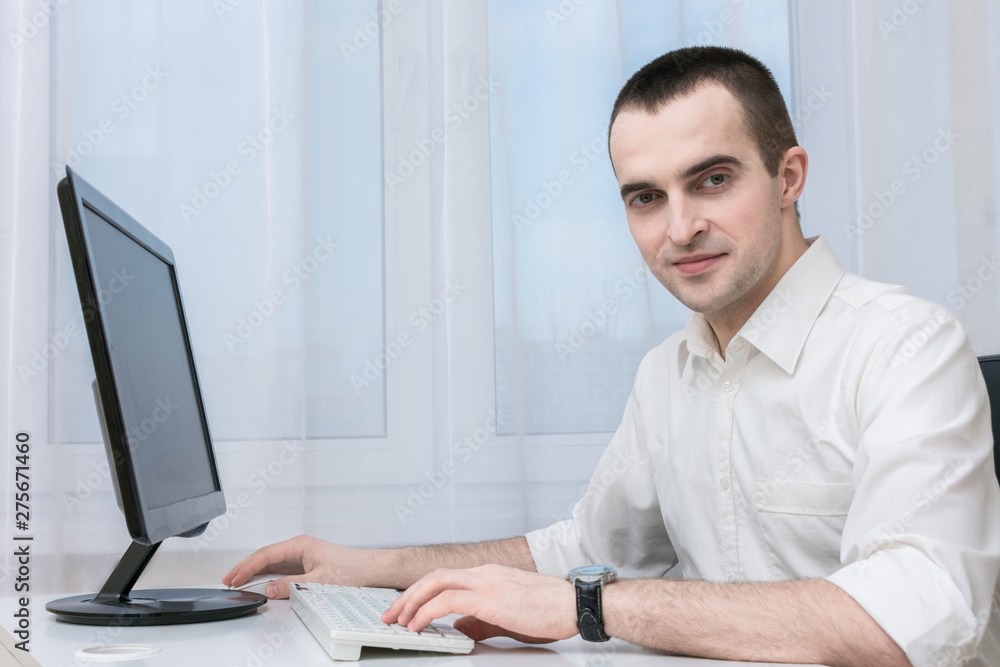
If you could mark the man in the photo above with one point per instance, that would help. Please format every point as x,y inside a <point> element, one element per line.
<point>828,498</point>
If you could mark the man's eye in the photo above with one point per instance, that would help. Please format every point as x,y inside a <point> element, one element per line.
<point>715,180</point>
<point>644,198</point>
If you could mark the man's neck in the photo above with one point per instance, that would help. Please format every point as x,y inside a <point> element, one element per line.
<point>726,323</point>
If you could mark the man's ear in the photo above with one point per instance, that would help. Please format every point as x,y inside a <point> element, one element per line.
<point>792,173</point>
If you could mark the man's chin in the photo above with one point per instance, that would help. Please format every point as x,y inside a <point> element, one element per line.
<point>699,303</point>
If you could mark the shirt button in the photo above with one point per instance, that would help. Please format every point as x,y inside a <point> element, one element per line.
<point>727,386</point>
<point>724,483</point>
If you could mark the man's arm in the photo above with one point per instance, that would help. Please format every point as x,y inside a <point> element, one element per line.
<point>309,559</point>
<point>810,621</point>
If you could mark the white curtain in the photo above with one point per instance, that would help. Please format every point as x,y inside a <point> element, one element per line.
<point>414,303</point>
<point>903,147</point>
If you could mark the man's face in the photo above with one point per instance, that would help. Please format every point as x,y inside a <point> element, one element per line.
<point>700,204</point>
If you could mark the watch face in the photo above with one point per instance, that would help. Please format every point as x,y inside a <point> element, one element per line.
<point>592,573</point>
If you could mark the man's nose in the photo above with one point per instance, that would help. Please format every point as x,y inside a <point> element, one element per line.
<point>684,221</point>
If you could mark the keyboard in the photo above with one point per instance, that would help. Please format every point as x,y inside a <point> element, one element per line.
<point>345,618</point>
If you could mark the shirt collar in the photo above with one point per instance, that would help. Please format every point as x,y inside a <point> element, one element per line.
<point>780,325</point>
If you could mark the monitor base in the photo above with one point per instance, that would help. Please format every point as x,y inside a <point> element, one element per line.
<point>158,606</point>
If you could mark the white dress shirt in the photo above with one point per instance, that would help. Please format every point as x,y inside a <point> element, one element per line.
<point>845,436</point>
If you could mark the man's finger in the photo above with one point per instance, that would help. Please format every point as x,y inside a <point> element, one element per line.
<point>243,572</point>
<point>279,588</point>
<point>416,596</point>
<point>260,562</point>
<point>239,575</point>
<point>451,601</point>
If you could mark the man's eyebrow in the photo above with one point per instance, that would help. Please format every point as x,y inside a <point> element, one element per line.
<point>709,162</point>
<point>634,186</point>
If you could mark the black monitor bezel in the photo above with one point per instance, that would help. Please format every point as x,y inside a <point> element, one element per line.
<point>145,525</point>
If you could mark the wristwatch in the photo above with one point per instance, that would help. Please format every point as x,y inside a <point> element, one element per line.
<point>589,580</point>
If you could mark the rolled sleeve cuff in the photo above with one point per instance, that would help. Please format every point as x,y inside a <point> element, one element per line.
<point>916,603</point>
<point>556,549</point>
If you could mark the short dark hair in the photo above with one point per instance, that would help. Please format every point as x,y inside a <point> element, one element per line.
<point>679,72</point>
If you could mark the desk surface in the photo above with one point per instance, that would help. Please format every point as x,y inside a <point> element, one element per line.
<point>275,637</point>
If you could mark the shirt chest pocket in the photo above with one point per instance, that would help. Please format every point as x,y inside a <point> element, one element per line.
<point>807,498</point>
<point>802,524</point>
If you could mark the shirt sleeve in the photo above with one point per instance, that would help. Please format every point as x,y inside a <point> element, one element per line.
<point>921,543</point>
<point>618,520</point>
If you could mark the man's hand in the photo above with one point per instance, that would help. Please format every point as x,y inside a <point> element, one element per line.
<point>496,601</point>
<point>307,559</point>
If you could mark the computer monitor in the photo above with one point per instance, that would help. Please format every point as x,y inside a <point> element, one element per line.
<point>150,409</point>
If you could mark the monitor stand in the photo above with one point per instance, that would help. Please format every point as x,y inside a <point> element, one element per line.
<point>118,604</point>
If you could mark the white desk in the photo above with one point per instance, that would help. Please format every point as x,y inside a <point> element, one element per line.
<point>275,637</point>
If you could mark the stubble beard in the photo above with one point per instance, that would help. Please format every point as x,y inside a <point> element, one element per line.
<point>729,293</point>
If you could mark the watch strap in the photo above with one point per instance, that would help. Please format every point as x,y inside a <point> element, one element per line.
<point>590,617</point>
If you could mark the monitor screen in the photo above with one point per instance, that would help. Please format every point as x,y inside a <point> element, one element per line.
<point>149,405</point>
<point>148,399</point>
<point>160,411</point>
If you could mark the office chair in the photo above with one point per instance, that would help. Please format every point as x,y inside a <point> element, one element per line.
<point>990,366</point>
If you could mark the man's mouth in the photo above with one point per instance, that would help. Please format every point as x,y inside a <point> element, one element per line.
<point>696,263</point>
